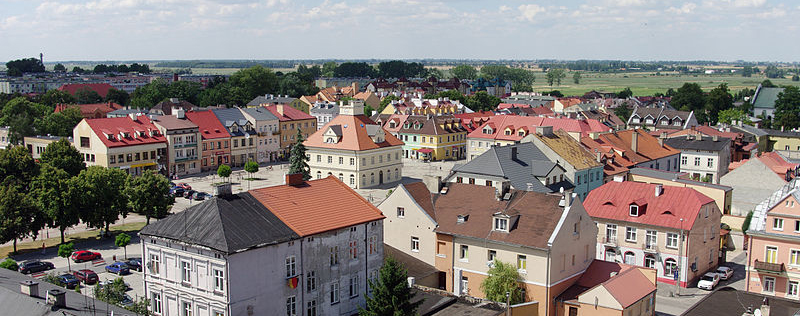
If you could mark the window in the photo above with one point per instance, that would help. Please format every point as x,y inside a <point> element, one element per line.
<point>155,261</point>
<point>334,292</point>
<point>650,239</point>
<point>611,232</point>
<point>414,244</point>
<point>634,210</point>
<point>710,162</point>
<point>464,253</point>
<point>311,281</point>
<point>501,224</point>
<point>522,263</point>
<point>334,255</point>
<point>464,285</point>
<point>352,179</point>
<point>488,183</point>
<point>769,285</point>
<point>630,234</point>
<point>352,161</point>
<point>650,261</point>
<point>630,258</point>
<point>353,250</point>
<point>697,161</point>
<point>291,268</point>
<point>319,158</point>
<point>672,240</point>
<point>797,226</point>
<point>777,224</point>
<point>341,160</point>
<point>187,309</point>
<point>311,309</point>
<point>791,289</point>
<point>670,266</point>
<point>330,159</point>
<point>155,302</point>
<point>401,212</point>
<point>219,280</point>
<point>491,255</point>
<point>111,158</point>
<point>373,244</point>
<point>440,249</point>
<point>186,267</point>
<point>354,286</point>
<point>771,254</point>
<point>291,306</point>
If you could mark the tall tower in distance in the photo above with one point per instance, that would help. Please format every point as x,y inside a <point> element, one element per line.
<point>41,58</point>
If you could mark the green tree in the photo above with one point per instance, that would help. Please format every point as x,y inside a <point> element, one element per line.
<point>18,215</point>
<point>482,101</point>
<point>353,69</point>
<point>224,171</point>
<point>55,198</point>
<point>123,240</point>
<point>120,97</point>
<point>795,78</point>
<point>19,115</point>
<point>554,75</point>
<point>576,77</point>
<point>773,72</point>
<point>729,115</point>
<point>520,87</point>
<point>53,97</point>
<point>255,81</point>
<point>718,99</point>
<point>251,167</point>
<point>9,264</point>
<point>517,75</point>
<point>59,124</point>
<point>59,68</point>
<point>112,293</point>
<point>746,223</point>
<point>78,70</point>
<point>386,100</point>
<point>689,97</point>
<point>329,69</point>
<point>768,84</point>
<point>623,112</point>
<point>464,72</point>
<point>17,167</point>
<point>64,251</point>
<point>20,66</point>
<point>62,155</point>
<point>503,278</point>
<point>625,93</point>
<point>185,90</point>
<point>147,96</point>
<point>391,295</point>
<point>103,199</point>
<point>87,96</point>
<point>787,108</point>
<point>148,195</point>
<point>297,158</point>
<point>747,71</point>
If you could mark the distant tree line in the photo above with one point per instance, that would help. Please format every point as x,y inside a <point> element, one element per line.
<point>16,68</point>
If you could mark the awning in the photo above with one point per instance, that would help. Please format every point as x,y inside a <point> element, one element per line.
<point>425,150</point>
<point>144,165</point>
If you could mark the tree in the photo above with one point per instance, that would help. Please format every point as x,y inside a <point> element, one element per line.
<point>351,69</point>
<point>66,250</point>
<point>255,81</point>
<point>147,96</point>
<point>399,68</point>
<point>21,66</point>
<point>185,90</point>
<point>623,112</point>
<point>53,97</point>
<point>297,158</point>
<point>520,87</point>
<point>516,75</point>
<point>148,195</point>
<point>747,71</point>
<point>689,97</point>
<point>18,215</point>
<point>464,72</point>
<point>729,115</point>
<point>718,99</point>
<point>60,123</point>
<point>224,171</point>
<point>386,100</point>
<point>17,167</point>
<point>78,70</point>
<point>773,72</point>
<point>53,196</point>
<point>111,293</point>
<point>787,108</point>
<point>123,240</point>
<point>503,278</point>
<point>329,69</point>
<point>795,78</point>
<point>768,84</point>
<point>391,295</point>
<point>482,101</point>
<point>19,115</point>
<point>87,96</point>
<point>121,97</point>
<point>625,93</point>
<point>554,75</point>
<point>746,223</point>
<point>62,155</point>
<point>576,78</point>
<point>251,167</point>
<point>103,199</point>
<point>59,68</point>
<point>309,73</point>
<point>9,264</point>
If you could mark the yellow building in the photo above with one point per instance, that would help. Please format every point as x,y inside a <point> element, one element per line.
<point>433,137</point>
<point>132,143</point>
<point>786,142</point>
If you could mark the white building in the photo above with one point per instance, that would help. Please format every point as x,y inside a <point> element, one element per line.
<point>324,112</point>
<point>304,248</point>
<point>355,149</point>
<point>269,134</point>
<point>703,157</point>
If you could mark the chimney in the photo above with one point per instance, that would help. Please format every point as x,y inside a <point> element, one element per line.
<point>222,189</point>
<point>659,189</point>
<point>635,141</point>
<point>294,179</point>
<point>354,85</point>
<point>501,191</point>
<point>599,155</point>
<point>514,153</point>
<point>57,298</point>
<point>715,138</point>
<point>433,183</point>
<point>180,113</point>
<point>29,288</point>
<point>280,109</point>
<point>544,130</point>
<point>765,307</point>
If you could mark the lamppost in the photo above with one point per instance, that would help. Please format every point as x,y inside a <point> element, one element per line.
<point>680,263</point>
<point>508,303</point>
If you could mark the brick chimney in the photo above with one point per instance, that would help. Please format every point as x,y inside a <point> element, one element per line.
<point>294,179</point>
<point>635,141</point>
<point>279,108</point>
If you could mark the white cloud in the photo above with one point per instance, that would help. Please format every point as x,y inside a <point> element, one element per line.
<point>771,14</point>
<point>748,3</point>
<point>686,8</point>
<point>529,11</point>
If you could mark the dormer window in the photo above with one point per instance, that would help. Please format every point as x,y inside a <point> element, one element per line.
<point>634,210</point>
<point>521,133</point>
<point>330,140</point>
<point>508,132</point>
<point>462,218</point>
<point>487,130</point>
<point>500,223</point>
<point>636,119</point>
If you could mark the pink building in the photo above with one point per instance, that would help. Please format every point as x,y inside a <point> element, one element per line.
<point>773,263</point>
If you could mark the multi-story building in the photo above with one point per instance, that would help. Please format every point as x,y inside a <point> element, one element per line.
<point>216,140</point>
<point>704,158</point>
<point>270,99</point>
<point>168,107</point>
<point>266,125</point>
<point>722,194</point>
<point>37,144</point>
<point>784,141</point>
<point>433,137</point>
<point>583,169</point>
<point>420,106</point>
<point>290,120</point>
<point>183,143</point>
<point>95,110</point>
<point>671,229</point>
<point>355,149</point>
<point>764,100</point>
<point>131,143</point>
<point>654,118</point>
<point>324,112</point>
<point>610,288</point>
<point>622,150</point>
<point>303,248</point>
<point>243,135</point>
<point>464,228</point>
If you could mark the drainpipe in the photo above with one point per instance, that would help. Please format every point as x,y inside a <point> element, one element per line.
<point>302,273</point>
<point>547,285</point>
<point>746,269</point>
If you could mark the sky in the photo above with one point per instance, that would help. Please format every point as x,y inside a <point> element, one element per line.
<point>108,30</point>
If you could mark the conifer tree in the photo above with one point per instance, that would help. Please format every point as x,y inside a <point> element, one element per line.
<point>298,159</point>
<point>391,295</point>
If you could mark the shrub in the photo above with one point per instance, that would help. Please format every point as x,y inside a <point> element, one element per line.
<point>9,264</point>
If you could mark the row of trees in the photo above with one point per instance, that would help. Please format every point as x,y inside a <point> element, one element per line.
<point>16,68</point>
<point>480,101</point>
<point>59,192</point>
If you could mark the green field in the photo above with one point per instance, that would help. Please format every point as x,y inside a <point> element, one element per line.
<point>214,71</point>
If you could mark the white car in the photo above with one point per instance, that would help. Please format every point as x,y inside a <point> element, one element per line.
<point>708,281</point>
<point>725,273</point>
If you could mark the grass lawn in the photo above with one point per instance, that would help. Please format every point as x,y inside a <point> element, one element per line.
<point>77,238</point>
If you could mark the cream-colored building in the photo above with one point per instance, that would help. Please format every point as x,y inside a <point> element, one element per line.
<point>37,144</point>
<point>132,143</point>
<point>267,126</point>
<point>354,149</point>
<point>183,139</point>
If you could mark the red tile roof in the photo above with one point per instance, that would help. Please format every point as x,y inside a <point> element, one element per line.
<point>140,131</point>
<point>317,206</point>
<point>620,142</point>
<point>209,125</point>
<point>613,199</point>
<point>100,88</point>
<point>289,113</point>
<point>500,122</point>
<point>354,134</point>
<point>628,285</point>
<point>775,162</point>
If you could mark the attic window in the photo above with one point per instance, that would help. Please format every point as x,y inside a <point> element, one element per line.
<point>330,140</point>
<point>487,130</point>
<point>508,132</point>
<point>500,224</point>
<point>666,213</point>
<point>609,203</point>
<point>634,210</point>
<point>462,218</point>
<point>521,133</point>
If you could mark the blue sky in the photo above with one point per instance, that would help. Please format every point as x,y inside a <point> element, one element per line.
<point>726,30</point>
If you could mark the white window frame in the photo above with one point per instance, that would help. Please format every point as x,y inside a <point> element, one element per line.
<point>630,234</point>
<point>501,224</point>
<point>673,239</point>
<point>764,288</point>
<point>156,303</point>
<point>401,212</point>
<point>354,285</point>
<point>291,266</point>
<point>155,264</point>
<point>186,271</point>
<point>291,306</point>
<point>522,263</point>
<point>767,254</point>
<point>633,210</point>
<point>794,257</point>
<point>415,244</point>
<point>219,280</point>
<point>186,308</point>
<point>311,308</point>
<point>463,253</point>
<point>792,286</point>
<point>777,224</point>
<point>334,292</point>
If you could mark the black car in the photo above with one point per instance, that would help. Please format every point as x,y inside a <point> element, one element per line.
<point>134,264</point>
<point>68,280</point>
<point>199,196</point>
<point>176,191</point>
<point>189,194</point>
<point>34,266</point>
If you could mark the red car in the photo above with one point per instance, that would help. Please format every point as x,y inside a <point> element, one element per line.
<point>85,255</point>
<point>184,185</point>
<point>86,276</point>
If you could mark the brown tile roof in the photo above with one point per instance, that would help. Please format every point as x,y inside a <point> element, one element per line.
<point>534,215</point>
<point>570,149</point>
<point>648,146</point>
<point>317,206</point>
<point>419,192</point>
<point>355,134</point>
<point>432,125</point>
<point>170,122</point>
<point>627,286</point>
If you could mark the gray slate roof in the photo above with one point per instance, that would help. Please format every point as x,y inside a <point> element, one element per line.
<point>324,108</point>
<point>776,132</point>
<point>260,114</point>
<point>706,143</point>
<point>229,116</point>
<point>530,163</point>
<point>270,99</point>
<point>765,97</point>
<point>749,130</point>
<point>228,224</point>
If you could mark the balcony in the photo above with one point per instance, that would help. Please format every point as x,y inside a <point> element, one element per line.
<point>776,268</point>
<point>278,132</point>
<point>185,158</point>
<point>182,145</point>
<point>650,247</point>
<point>609,240</point>
<point>263,134</point>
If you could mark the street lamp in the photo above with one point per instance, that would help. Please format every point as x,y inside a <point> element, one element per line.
<point>508,303</point>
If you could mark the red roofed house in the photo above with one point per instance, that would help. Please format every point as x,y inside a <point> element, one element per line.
<point>289,121</point>
<point>610,288</point>
<point>642,224</point>
<point>100,88</point>
<point>132,143</point>
<point>355,149</point>
<point>216,140</point>
<point>627,149</point>
<point>94,110</point>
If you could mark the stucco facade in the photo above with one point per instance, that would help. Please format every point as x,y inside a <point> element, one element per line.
<point>358,169</point>
<point>773,263</point>
<point>134,159</point>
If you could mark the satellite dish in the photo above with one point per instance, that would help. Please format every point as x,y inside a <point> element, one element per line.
<point>246,135</point>
<point>757,312</point>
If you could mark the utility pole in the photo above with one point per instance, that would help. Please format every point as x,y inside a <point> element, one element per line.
<point>680,263</point>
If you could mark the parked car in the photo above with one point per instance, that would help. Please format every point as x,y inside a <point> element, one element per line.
<point>33,266</point>
<point>708,281</point>
<point>85,255</point>
<point>199,196</point>
<point>126,300</point>
<point>724,272</point>
<point>134,264</point>
<point>176,191</point>
<point>184,185</point>
<point>68,280</point>
<point>107,282</point>
<point>189,194</point>
<point>86,276</point>
<point>118,267</point>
